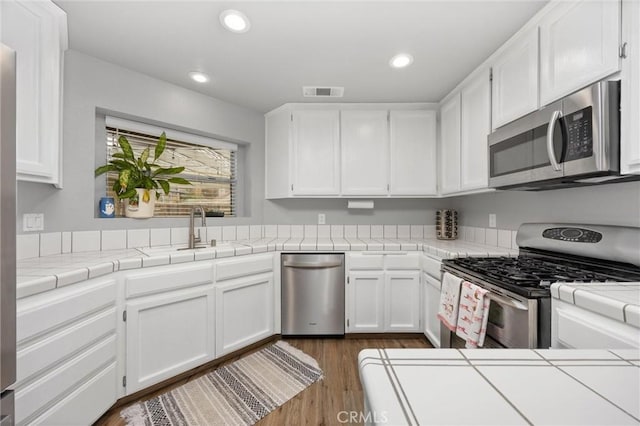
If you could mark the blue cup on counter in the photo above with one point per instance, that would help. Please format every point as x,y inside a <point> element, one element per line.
<point>107,207</point>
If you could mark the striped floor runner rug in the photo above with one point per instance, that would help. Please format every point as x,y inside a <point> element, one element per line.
<point>240,393</point>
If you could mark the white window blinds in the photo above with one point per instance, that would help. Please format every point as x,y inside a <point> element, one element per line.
<point>210,165</point>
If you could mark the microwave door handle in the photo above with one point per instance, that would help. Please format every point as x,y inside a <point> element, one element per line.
<point>550,152</point>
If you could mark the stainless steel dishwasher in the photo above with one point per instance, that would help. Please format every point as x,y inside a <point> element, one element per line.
<point>312,294</point>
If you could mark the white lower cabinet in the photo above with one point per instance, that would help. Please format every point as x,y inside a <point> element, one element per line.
<point>577,328</point>
<point>244,312</point>
<point>66,354</point>
<point>168,334</point>
<point>402,301</point>
<point>381,296</point>
<point>431,301</point>
<point>366,302</point>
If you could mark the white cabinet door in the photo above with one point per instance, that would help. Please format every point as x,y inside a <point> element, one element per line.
<point>579,42</point>
<point>402,301</point>
<point>450,145</point>
<point>316,153</point>
<point>244,312</point>
<point>630,90</point>
<point>431,302</point>
<point>475,127</point>
<point>413,153</point>
<point>37,31</point>
<point>365,152</point>
<point>276,153</point>
<point>366,302</point>
<point>515,80</point>
<point>168,334</point>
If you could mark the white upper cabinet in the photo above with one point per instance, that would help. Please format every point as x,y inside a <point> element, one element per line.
<point>515,80</point>
<point>365,152</point>
<point>475,127</point>
<point>450,145</point>
<point>319,150</point>
<point>630,96</point>
<point>413,153</point>
<point>277,170</point>
<point>316,152</point>
<point>37,31</point>
<point>579,42</point>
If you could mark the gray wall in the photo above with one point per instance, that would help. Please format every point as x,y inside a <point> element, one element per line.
<point>614,204</point>
<point>91,84</point>
<point>385,211</point>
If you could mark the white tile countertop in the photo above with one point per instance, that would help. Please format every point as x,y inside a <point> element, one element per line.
<point>36,275</point>
<point>501,386</point>
<point>619,301</point>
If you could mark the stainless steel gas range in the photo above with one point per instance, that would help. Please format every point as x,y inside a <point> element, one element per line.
<point>520,308</point>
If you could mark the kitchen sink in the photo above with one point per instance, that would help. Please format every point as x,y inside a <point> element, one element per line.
<point>155,251</point>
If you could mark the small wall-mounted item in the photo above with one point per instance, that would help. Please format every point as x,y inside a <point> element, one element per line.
<point>107,207</point>
<point>360,204</point>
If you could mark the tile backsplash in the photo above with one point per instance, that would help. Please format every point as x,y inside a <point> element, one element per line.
<point>52,243</point>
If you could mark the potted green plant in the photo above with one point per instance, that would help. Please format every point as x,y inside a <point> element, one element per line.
<point>137,177</point>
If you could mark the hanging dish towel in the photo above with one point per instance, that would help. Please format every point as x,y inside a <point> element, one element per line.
<point>473,314</point>
<point>449,300</point>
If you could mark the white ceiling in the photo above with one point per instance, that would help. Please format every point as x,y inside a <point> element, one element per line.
<point>296,43</point>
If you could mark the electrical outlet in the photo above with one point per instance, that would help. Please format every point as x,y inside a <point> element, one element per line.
<point>492,220</point>
<point>322,219</point>
<point>32,222</point>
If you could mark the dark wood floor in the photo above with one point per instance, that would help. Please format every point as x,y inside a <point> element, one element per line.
<point>321,402</point>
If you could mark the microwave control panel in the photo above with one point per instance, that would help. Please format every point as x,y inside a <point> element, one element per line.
<point>576,235</point>
<point>579,129</point>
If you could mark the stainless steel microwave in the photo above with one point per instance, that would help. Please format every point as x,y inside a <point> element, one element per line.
<point>574,141</point>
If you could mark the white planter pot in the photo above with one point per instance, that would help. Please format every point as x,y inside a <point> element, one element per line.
<point>143,209</point>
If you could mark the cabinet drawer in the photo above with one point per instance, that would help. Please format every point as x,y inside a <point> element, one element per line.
<point>39,356</point>
<point>402,261</point>
<point>87,403</point>
<point>165,278</point>
<point>243,266</point>
<point>37,395</point>
<point>43,312</point>
<point>431,266</point>
<point>366,261</point>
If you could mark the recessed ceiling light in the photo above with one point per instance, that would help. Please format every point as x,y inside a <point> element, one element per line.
<point>235,21</point>
<point>401,60</point>
<point>198,77</point>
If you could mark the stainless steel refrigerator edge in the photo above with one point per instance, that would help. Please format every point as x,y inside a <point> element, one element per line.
<point>312,294</point>
<point>7,232</point>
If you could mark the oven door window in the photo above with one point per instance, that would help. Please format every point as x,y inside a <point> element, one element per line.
<point>496,315</point>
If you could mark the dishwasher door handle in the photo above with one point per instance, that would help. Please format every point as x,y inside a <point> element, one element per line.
<point>316,265</point>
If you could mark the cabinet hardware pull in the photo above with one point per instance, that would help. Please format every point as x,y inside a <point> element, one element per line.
<point>124,316</point>
<point>311,265</point>
<point>623,50</point>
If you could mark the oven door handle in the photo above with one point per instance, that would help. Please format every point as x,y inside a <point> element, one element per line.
<point>508,302</point>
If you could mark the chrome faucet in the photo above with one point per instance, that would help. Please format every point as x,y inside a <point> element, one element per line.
<point>193,239</point>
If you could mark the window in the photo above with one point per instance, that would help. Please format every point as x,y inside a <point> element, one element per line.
<point>210,166</point>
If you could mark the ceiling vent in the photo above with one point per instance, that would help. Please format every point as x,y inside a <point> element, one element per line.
<point>322,92</point>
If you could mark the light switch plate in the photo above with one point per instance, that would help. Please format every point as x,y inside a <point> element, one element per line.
<point>322,219</point>
<point>32,222</point>
<point>492,220</point>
